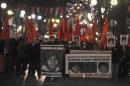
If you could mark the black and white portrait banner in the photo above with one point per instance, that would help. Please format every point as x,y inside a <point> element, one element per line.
<point>88,65</point>
<point>52,60</point>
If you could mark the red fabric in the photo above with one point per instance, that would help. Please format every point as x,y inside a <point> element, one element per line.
<point>62,34</point>
<point>88,33</point>
<point>51,28</point>
<point>65,32</point>
<point>77,27</point>
<point>83,38</point>
<point>30,31</point>
<point>34,9</point>
<point>103,39</point>
<point>70,32</point>
<point>129,42</point>
<point>5,32</point>
<point>94,28</point>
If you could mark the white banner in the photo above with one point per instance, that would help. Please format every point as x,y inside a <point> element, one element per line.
<point>89,65</point>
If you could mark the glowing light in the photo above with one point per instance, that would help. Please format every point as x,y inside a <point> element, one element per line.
<point>19,28</point>
<point>75,4</point>
<point>33,16</point>
<point>29,17</point>
<point>55,25</point>
<point>97,33</point>
<point>39,17</point>
<point>93,2</point>
<point>36,28</point>
<point>22,13</point>
<point>45,20</point>
<point>57,20</point>
<point>53,20</point>
<point>102,10</point>
<point>61,16</point>
<point>70,14</point>
<point>67,16</point>
<point>78,7</point>
<point>96,39</point>
<point>81,23</point>
<point>3,5</point>
<point>10,12</point>
<point>102,16</point>
<point>114,2</point>
<point>90,16</point>
<point>46,36</point>
<point>91,25</point>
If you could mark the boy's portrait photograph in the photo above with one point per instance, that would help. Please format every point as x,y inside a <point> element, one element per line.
<point>111,41</point>
<point>124,39</point>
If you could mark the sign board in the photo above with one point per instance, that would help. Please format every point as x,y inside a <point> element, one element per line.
<point>88,65</point>
<point>124,39</point>
<point>52,60</point>
<point>111,42</point>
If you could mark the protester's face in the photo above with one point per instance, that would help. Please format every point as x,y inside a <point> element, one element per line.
<point>52,39</point>
<point>52,62</point>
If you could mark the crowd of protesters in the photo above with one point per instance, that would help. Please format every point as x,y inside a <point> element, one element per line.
<point>18,53</point>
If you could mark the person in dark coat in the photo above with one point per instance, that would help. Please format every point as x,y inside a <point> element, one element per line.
<point>21,57</point>
<point>115,62</point>
<point>34,58</point>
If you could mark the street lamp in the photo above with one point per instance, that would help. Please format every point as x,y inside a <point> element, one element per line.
<point>114,2</point>
<point>39,17</point>
<point>3,5</point>
<point>33,16</point>
<point>10,12</point>
<point>22,13</point>
<point>93,2</point>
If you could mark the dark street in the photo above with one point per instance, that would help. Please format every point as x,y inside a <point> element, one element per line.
<point>13,80</point>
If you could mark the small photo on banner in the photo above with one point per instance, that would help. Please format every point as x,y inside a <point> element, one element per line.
<point>124,39</point>
<point>103,67</point>
<point>111,41</point>
<point>52,60</point>
<point>76,41</point>
<point>80,67</point>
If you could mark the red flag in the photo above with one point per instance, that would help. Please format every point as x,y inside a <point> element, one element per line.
<point>82,38</point>
<point>77,27</point>
<point>5,32</point>
<point>103,39</point>
<point>70,32</point>
<point>65,33</point>
<point>88,33</point>
<point>30,30</point>
<point>51,28</point>
<point>34,9</point>
<point>62,32</point>
<point>128,42</point>
<point>94,27</point>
